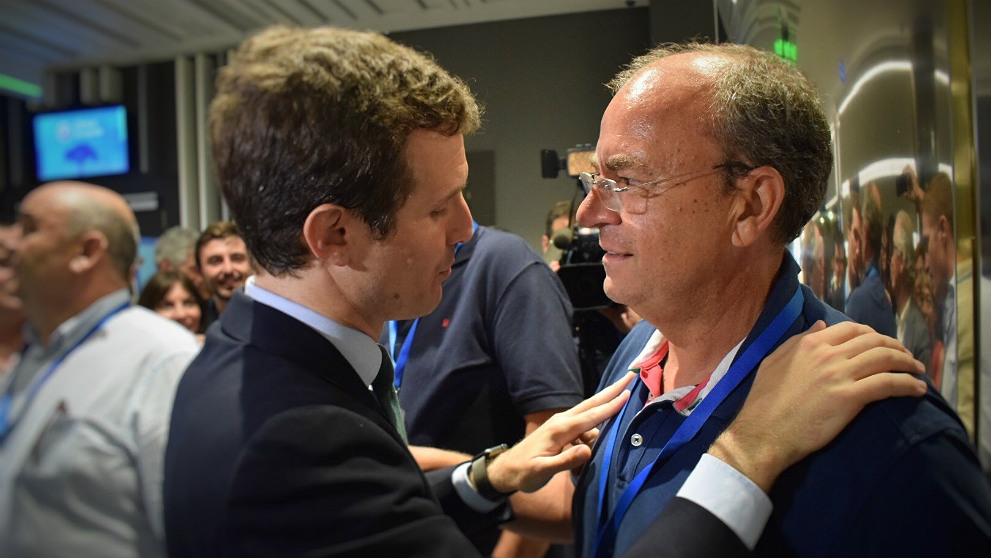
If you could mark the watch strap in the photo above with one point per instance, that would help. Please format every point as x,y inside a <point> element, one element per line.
<point>479,474</point>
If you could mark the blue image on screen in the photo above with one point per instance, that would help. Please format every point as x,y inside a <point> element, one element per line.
<point>80,143</point>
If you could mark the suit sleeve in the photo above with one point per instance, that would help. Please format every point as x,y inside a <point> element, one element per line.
<point>329,482</point>
<point>686,530</point>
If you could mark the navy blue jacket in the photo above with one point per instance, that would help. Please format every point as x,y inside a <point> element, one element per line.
<point>277,448</point>
<point>869,305</point>
<point>901,480</point>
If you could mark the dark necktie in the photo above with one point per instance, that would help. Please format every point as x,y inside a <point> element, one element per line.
<point>385,393</point>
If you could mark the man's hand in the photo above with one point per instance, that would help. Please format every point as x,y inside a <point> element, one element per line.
<point>808,391</point>
<point>560,444</point>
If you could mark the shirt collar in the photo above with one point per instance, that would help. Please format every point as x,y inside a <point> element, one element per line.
<point>65,334</point>
<point>360,350</point>
<point>686,398</point>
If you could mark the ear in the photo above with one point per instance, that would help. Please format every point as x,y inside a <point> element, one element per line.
<point>760,196</point>
<point>326,233</point>
<point>944,226</point>
<point>93,248</point>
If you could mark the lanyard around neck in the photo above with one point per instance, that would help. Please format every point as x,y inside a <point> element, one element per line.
<point>400,359</point>
<point>7,423</point>
<point>607,525</point>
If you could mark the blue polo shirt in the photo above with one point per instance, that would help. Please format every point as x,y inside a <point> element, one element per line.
<point>498,347</point>
<point>901,480</point>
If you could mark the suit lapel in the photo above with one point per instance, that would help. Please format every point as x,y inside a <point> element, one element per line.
<point>274,332</point>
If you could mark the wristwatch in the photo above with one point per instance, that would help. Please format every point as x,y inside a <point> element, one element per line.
<point>479,475</point>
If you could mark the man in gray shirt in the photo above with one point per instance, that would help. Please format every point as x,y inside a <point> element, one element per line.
<point>84,415</point>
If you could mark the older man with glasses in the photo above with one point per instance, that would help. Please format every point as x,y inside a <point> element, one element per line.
<point>710,159</point>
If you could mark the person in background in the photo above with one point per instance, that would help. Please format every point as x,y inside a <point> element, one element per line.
<point>559,219</point>
<point>173,295</point>
<point>911,326</point>
<point>812,259</point>
<point>84,418</point>
<point>835,293</point>
<point>869,303</point>
<point>472,375</point>
<point>705,174</point>
<point>923,297</point>
<point>222,258</point>
<point>952,286</point>
<point>11,312</point>
<point>175,250</point>
<point>854,232</point>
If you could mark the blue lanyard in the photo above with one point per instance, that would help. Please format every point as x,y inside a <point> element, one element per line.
<point>7,424</point>
<point>404,355</point>
<point>607,528</point>
<point>400,360</point>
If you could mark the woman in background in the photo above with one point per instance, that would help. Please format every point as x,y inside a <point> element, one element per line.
<point>174,296</point>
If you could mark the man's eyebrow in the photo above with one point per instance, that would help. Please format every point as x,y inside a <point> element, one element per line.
<point>594,161</point>
<point>454,193</point>
<point>620,162</point>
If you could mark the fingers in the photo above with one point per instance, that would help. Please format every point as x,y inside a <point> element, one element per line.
<point>569,459</point>
<point>603,396</point>
<point>591,418</point>
<point>573,457</point>
<point>880,360</point>
<point>566,429</point>
<point>881,386</point>
<point>589,437</point>
<point>868,341</point>
<point>839,333</point>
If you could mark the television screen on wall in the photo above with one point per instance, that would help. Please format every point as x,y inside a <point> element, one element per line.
<point>81,143</point>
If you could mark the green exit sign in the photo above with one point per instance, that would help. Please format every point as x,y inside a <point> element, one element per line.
<point>787,50</point>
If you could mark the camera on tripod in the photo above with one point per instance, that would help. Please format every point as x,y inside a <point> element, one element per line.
<point>581,269</point>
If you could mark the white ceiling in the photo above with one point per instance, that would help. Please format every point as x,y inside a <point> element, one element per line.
<point>36,35</point>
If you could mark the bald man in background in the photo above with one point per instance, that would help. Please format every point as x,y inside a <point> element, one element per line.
<point>84,415</point>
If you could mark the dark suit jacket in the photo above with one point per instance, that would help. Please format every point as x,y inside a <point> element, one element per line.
<point>869,305</point>
<point>276,448</point>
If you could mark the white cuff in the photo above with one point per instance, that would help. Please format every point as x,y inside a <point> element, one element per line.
<point>730,496</point>
<point>468,494</point>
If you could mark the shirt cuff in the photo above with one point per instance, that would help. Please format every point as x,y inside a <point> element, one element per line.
<point>468,494</point>
<point>729,495</point>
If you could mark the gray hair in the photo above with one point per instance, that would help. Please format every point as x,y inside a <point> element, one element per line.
<point>175,245</point>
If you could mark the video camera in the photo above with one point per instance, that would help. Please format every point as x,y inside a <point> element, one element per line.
<point>581,270</point>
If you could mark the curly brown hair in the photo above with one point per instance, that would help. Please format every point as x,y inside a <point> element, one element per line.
<point>304,117</point>
<point>764,112</point>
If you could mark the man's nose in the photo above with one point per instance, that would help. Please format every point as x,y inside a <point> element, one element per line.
<point>462,225</point>
<point>592,212</point>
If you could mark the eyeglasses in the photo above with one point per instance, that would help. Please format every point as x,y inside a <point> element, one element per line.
<point>610,191</point>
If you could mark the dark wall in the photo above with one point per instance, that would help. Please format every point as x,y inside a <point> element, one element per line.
<point>156,171</point>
